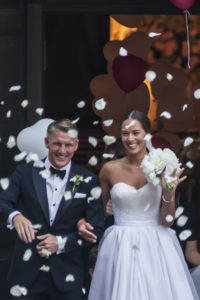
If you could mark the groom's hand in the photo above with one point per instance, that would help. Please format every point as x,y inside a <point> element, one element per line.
<point>84,231</point>
<point>24,228</point>
<point>48,244</point>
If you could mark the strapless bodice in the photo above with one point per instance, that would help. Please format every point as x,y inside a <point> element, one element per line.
<point>130,204</point>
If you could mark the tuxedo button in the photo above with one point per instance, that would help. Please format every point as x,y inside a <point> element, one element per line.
<point>56,189</point>
<point>54,204</point>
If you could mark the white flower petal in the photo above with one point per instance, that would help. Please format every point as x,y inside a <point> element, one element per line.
<point>184,107</point>
<point>83,291</point>
<point>169,77</point>
<point>153,34</point>
<point>93,141</point>
<point>75,120</point>
<point>32,157</point>
<point>73,133</point>
<point>87,179</point>
<point>188,141</point>
<point>11,142</point>
<point>90,199</point>
<point>24,103</point>
<point>189,164</point>
<point>4,182</point>
<point>45,173</point>
<point>95,122</point>
<point>39,111</point>
<point>109,139</point>
<point>15,88</point>
<point>80,242</point>
<point>100,104</point>
<point>148,137</point>
<point>45,268</point>
<point>150,76</point>
<point>169,218</point>
<point>81,104</point>
<point>108,155</point>
<point>96,192</point>
<point>130,124</point>
<point>166,115</point>
<point>20,156</point>
<point>46,252</point>
<point>197,94</point>
<point>2,102</point>
<point>38,164</point>
<point>27,255</point>
<point>93,160</point>
<point>67,195</point>
<point>18,291</point>
<point>185,234</point>
<point>182,220</point>
<point>179,211</point>
<point>108,123</point>
<point>37,226</point>
<point>70,278</point>
<point>8,114</point>
<point>123,51</point>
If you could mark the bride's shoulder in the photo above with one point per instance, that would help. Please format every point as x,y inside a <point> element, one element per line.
<point>112,165</point>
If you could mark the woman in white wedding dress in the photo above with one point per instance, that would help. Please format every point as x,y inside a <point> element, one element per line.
<point>139,256</point>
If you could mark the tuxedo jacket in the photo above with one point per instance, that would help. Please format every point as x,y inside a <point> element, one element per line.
<point>27,193</point>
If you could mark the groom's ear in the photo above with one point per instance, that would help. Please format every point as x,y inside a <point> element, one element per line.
<point>46,142</point>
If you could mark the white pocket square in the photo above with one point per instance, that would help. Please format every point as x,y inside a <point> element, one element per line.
<point>80,195</point>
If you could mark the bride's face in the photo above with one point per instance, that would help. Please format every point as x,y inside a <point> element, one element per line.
<point>132,136</point>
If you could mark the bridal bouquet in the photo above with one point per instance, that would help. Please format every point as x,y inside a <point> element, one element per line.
<point>158,161</point>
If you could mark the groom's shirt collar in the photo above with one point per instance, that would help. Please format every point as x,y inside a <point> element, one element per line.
<point>47,165</point>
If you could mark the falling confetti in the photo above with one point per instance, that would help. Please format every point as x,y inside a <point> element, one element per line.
<point>45,173</point>
<point>93,160</point>
<point>107,123</point>
<point>87,179</point>
<point>27,255</point>
<point>20,156</point>
<point>24,103</point>
<point>4,182</point>
<point>123,51</point>
<point>69,278</point>
<point>169,77</point>
<point>67,195</point>
<point>197,94</point>
<point>169,218</point>
<point>188,141</point>
<point>108,139</point>
<point>2,102</point>
<point>8,114</point>
<point>95,122</point>
<point>153,34</point>
<point>73,133</point>
<point>182,220</point>
<point>108,155</point>
<point>100,104</point>
<point>15,88</point>
<point>179,211</point>
<point>96,192</point>
<point>81,104</point>
<point>148,137</point>
<point>130,124</point>
<point>80,242</point>
<point>150,76</point>
<point>11,142</point>
<point>45,268</point>
<point>37,226</point>
<point>93,141</point>
<point>76,120</point>
<point>166,115</point>
<point>189,164</point>
<point>46,252</point>
<point>38,164</point>
<point>18,291</point>
<point>184,107</point>
<point>185,234</point>
<point>39,111</point>
<point>32,157</point>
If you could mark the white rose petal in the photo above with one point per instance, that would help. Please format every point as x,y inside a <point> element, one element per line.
<point>18,291</point>
<point>153,34</point>
<point>100,104</point>
<point>69,278</point>
<point>90,199</point>
<point>2,102</point>
<point>46,252</point>
<point>27,255</point>
<point>148,137</point>
<point>80,242</point>
<point>150,76</point>
<point>45,173</point>
<point>179,211</point>
<point>169,77</point>
<point>96,192</point>
<point>130,124</point>
<point>39,111</point>
<point>93,141</point>
<point>189,164</point>
<point>197,94</point>
<point>20,156</point>
<point>182,220</point>
<point>108,123</point>
<point>169,218</point>
<point>32,157</point>
<point>184,107</point>
<point>108,155</point>
<point>147,207</point>
<point>73,133</point>
<point>4,182</point>
<point>188,141</point>
<point>87,179</point>
<point>166,115</point>
<point>45,268</point>
<point>24,103</point>
<point>75,120</point>
<point>123,51</point>
<point>84,291</point>
<point>15,88</point>
<point>109,139</point>
<point>185,234</point>
<point>95,122</point>
<point>93,160</point>
<point>38,164</point>
<point>37,226</point>
<point>67,195</point>
<point>81,104</point>
<point>8,114</point>
<point>11,142</point>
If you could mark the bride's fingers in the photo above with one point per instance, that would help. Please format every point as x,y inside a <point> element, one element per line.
<point>180,172</point>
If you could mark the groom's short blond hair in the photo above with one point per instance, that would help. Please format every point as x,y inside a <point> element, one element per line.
<point>62,125</point>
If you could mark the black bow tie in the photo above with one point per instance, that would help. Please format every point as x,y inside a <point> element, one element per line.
<point>60,173</point>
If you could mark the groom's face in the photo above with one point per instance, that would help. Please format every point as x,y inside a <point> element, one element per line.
<point>61,148</point>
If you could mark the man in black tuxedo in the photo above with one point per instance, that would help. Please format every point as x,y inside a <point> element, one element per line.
<point>44,203</point>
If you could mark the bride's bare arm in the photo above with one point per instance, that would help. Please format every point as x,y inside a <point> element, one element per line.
<point>104,178</point>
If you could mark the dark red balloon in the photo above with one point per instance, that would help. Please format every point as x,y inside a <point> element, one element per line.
<point>158,142</point>
<point>183,4</point>
<point>129,71</point>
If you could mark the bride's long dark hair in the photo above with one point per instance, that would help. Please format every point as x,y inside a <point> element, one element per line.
<point>139,116</point>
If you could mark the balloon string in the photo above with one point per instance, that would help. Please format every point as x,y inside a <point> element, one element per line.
<point>188,36</point>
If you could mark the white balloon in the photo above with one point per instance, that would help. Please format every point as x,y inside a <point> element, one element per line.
<point>31,139</point>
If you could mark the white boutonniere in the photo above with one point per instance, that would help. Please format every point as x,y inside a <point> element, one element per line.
<point>158,161</point>
<point>77,179</point>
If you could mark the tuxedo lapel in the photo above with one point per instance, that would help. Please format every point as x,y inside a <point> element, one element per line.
<point>40,188</point>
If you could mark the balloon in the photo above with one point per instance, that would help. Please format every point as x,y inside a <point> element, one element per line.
<point>129,71</point>
<point>158,142</point>
<point>183,4</point>
<point>31,139</point>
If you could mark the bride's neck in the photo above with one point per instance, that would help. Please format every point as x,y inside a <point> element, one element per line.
<point>136,159</point>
